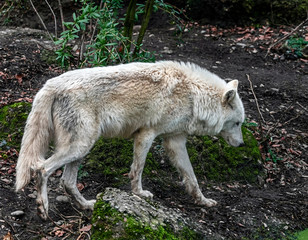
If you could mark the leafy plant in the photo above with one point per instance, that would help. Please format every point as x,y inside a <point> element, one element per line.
<point>296,45</point>
<point>7,8</point>
<point>272,157</point>
<point>94,37</point>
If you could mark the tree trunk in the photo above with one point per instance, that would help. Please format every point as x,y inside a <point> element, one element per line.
<point>129,23</point>
<point>144,25</point>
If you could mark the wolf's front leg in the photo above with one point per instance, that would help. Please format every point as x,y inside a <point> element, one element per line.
<point>142,143</point>
<point>175,147</point>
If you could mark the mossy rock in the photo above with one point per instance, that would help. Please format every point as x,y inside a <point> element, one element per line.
<point>122,215</point>
<point>12,122</point>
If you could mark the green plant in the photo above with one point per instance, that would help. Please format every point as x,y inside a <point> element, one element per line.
<point>6,9</point>
<point>94,37</point>
<point>271,232</point>
<point>296,45</point>
<point>12,122</point>
<point>272,157</point>
<point>250,124</point>
<point>82,172</point>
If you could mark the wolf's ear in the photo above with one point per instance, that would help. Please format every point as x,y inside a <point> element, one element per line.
<point>230,92</point>
<point>233,84</point>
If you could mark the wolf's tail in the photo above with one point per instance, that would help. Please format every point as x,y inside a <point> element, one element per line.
<point>36,138</point>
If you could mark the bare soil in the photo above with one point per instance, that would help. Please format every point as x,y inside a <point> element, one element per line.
<point>276,206</point>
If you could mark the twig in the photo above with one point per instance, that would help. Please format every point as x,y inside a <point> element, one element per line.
<point>54,17</point>
<point>41,20</point>
<point>8,223</point>
<point>285,37</point>
<point>84,233</point>
<point>302,106</point>
<point>290,120</point>
<point>251,87</point>
<point>277,123</point>
<point>43,45</point>
<point>94,30</point>
<point>63,228</point>
<point>61,14</point>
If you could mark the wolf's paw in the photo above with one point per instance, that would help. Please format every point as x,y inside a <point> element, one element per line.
<point>207,202</point>
<point>144,194</point>
<point>87,204</point>
<point>41,211</point>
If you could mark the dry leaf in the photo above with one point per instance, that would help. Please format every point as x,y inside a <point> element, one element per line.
<point>86,228</point>
<point>8,236</point>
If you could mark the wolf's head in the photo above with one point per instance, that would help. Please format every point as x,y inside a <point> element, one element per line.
<point>234,115</point>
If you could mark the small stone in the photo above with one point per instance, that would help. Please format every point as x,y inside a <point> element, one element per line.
<point>167,50</point>
<point>275,89</point>
<point>17,213</point>
<point>241,45</point>
<point>32,195</point>
<point>62,198</point>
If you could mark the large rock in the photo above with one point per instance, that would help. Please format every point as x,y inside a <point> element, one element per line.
<point>122,215</point>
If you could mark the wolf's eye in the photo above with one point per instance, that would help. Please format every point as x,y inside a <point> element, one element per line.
<point>237,124</point>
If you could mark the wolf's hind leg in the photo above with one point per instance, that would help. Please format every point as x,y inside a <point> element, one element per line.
<point>43,173</point>
<point>63,155</point>
<point>142,143</point>
<point>175,147</point>
<point>69,181</point>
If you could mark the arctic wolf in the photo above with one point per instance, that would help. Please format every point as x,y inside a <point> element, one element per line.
<point>136,100</point>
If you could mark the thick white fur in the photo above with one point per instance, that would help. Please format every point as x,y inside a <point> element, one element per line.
<point>139,100</point>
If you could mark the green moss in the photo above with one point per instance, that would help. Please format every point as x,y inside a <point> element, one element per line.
<point>212,158</point>
<point>12,121</point>
<point>216,160</point>
<point>113,157</point>
<point>273,231</point>
<point>302,235</point>
<point>50,57</point>
<point>108,223</point>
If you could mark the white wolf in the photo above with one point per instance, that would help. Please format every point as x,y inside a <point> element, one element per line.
<point>138,100</point>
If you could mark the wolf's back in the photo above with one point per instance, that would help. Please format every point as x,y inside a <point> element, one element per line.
<point>36,137</point>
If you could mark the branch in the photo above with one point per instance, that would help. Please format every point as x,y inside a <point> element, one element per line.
<point>144,25</point>
<point>41,21</point>
<point>129,22</point>
<point>61,14</point>
<point>286,36</point>
<point>302,106</point>
<point>54,17</point>
<point>251,87</point>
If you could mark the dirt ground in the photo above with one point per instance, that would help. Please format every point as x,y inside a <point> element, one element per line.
<point>276,206</point>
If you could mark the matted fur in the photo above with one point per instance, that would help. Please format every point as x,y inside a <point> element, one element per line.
<point>138,100</point>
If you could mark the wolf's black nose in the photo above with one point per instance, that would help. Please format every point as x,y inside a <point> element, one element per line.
<point>242,144</point>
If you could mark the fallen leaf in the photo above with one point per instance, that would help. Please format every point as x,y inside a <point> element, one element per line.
<point>8,236</point>
<point>19,78</point>
<point>59,233</point>
<point>80,186</point>
<point>86,228</point>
